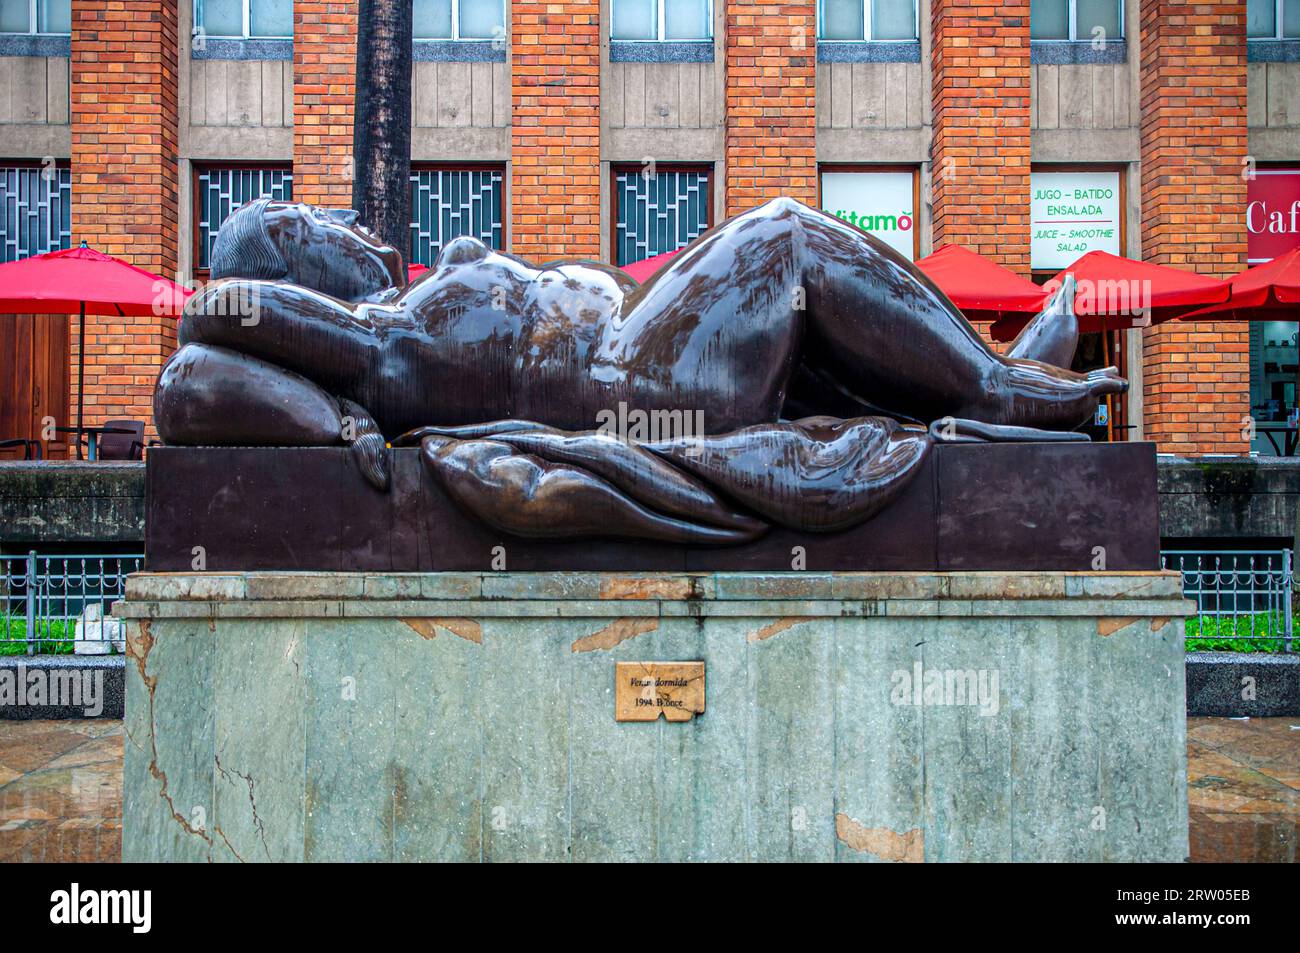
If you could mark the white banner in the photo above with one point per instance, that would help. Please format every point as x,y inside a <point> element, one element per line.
<point>1071,214</point>
<point>879,203</point>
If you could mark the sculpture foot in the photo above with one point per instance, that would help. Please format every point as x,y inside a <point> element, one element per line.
<point>1053,334</point>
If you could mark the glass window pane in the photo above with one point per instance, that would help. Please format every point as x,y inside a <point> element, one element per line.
<point>1261,18</point>
<point>432,19</point>
<point>686,20</point>
<point>635,20</point>
<point>54,16</point>
<point>1097,13</point>
<point>1049,19</point>
<point>448,203</point>
<point>34,211</point>
<point>482,19</point>
<point>1291,18</point>
<point>223,18</point>
<point>221,191</point>
<point>14,16</point>
<point>658,214</point>
<point>842,20</point>
<point>893,20</point>
<point>270,18</point>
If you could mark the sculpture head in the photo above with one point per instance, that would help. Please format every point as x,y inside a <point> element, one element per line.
<point>318,248</point>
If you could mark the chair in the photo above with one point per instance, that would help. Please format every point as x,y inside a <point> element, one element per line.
<point>31,448</point>
<point>122,446</point>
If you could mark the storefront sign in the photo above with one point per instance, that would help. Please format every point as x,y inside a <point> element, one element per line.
<point>1071,214</point>
<point>1272,213</point>
<point>880,203</point>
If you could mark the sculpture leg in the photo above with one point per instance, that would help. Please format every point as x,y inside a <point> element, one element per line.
<point>892,340</point>
<point>212,396</point>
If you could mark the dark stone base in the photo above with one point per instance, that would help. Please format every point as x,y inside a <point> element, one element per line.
<point>1215,686</point>
<point>1041,506</point>
<point>56,672</point>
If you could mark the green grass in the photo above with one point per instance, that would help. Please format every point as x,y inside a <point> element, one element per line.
<point>13,637</point>
<point>1234,635</point>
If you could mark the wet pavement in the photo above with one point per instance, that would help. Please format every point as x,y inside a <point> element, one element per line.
<point>1243,789</point>
<point>61,790</point>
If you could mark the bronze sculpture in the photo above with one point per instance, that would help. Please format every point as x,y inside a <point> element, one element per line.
<point>823,366</point>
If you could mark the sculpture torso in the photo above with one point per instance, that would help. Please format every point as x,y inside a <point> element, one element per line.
<point>487,355</point>
<point>485,336</point>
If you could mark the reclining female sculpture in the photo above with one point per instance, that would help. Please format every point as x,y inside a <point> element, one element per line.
<point>504,371</point>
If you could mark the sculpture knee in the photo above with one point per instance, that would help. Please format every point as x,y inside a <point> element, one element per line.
<point>211,396</point>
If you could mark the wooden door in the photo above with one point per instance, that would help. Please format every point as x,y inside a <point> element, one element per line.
<point>35,379</point>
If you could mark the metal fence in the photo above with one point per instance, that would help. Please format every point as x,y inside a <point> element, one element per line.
<point>48,602</point>
<point>1241,596</point>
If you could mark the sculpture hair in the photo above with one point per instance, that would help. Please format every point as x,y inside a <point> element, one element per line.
<point>244,249</point>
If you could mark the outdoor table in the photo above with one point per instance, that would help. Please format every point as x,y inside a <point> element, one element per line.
<point>92,437</point>
<point>1289,439</point>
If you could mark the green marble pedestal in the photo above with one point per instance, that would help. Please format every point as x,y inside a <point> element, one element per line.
<point>850,716</point>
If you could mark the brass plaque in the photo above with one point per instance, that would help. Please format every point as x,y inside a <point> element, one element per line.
<point>645,690</point>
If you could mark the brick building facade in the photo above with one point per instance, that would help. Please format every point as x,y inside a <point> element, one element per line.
<point>125,169</point>
<point>582,128</point>
<point>1194,151</point>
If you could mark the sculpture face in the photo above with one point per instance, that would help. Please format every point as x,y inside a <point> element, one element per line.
<point>327,250</point>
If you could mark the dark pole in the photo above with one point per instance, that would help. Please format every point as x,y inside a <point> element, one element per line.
<point>81,374</point>
<point>381,133</point>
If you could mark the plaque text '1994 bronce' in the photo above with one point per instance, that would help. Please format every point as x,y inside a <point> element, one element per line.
<point>645,690</point>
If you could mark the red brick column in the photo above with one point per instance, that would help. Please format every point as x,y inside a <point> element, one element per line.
<point>771,89</point>
<point>555,134</point>
<point>979,169</point>
<point>324,71</point>
<point>1196,376</point>
<point>124,186</point>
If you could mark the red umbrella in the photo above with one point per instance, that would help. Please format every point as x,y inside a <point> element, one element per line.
<point>983,289</point>
<point>1116,292</point>
<point>1267,291</point>
<point>85,281</point>
<point>643,269</point>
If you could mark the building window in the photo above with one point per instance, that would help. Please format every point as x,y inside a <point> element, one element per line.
<point>219,190</point>
<point>244,19</point>
<point>459,19</point>
<point>36,205</point>
<point>880,200</point>
<point>1074,211</point>
<point>1274,364</point>
<point>659,210</point>
<point>662,20</point>
<point>1272,213</point>
<point>1273,19</point>
<point>1082,20</point>
<point>451,201</point>
<point>36,17</point>
<point>880,20</point>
